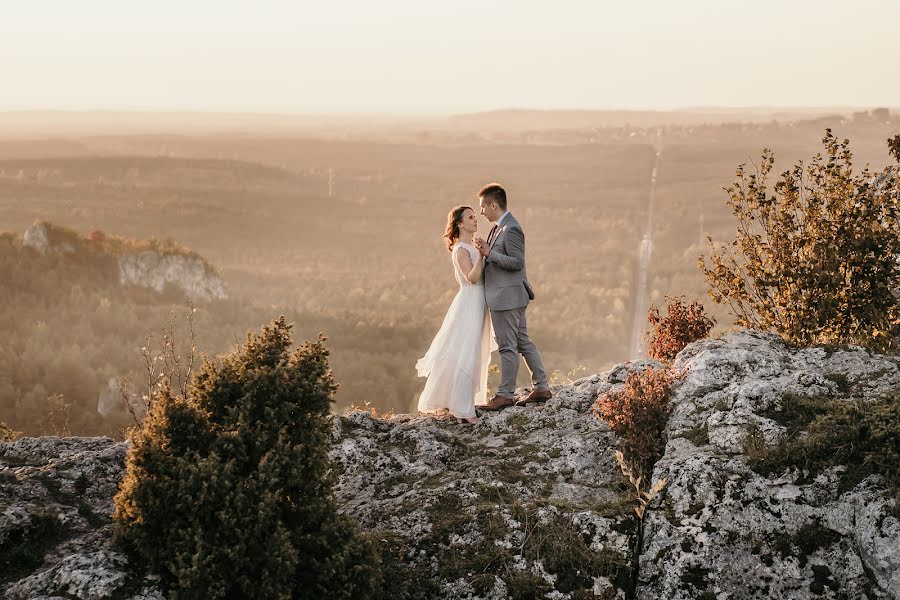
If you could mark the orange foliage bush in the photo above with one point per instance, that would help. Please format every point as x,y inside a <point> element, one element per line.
<point>638,414</point>
<point>682,325</point>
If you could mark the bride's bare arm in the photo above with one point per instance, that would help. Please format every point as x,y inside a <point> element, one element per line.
<point>472,272</point>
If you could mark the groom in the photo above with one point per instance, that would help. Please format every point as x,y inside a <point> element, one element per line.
<point>507,292</point>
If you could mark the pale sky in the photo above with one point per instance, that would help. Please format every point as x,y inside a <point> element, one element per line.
<point>439,57</point>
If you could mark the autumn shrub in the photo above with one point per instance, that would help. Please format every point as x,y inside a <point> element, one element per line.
<point>228,490</point>
<point>638,414</point>
<point>7,434</point>
<point>816,260</point>
<point>683,324</point>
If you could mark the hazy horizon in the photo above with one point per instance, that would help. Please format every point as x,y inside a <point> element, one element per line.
<point>400,115</point>
<point>412,59</point>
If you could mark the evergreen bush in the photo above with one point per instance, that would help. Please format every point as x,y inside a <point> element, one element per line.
<point>228,491</point>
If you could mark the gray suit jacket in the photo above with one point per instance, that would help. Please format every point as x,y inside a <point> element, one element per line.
<point>505,281</point>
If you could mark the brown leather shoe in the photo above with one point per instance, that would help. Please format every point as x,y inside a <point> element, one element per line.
<point>535,396</point>
<point>496,403</point>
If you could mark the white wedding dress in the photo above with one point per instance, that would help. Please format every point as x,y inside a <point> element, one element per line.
<point>456,364</point>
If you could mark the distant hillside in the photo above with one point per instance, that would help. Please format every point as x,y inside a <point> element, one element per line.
<point>36,124</point>
<point>525,119</point>
<point>75,311</point>
<point>137,170</point>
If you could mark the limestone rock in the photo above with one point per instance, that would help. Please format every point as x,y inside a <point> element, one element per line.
<point>722,531</point>
<point>530,502</point>
<point>529,497</point>
<point>55,526</point>
<point>142,264</point>
<point>156,270</point>
<point>38,236</point>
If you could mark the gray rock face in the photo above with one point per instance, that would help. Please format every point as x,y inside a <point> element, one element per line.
<point>529,497</point>
<point>146,268</point>
<point>55,527</point>
<point>530,503</point>
<point>37,236</point>
<point>157,270</point>
<point>722,531</point>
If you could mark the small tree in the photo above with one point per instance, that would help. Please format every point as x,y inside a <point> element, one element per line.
<point>228,491</point>
<point>894,146</point>
<point>638,414</point>
<point>8,434</point>
<point>817,261</point>
<point>682,325</point>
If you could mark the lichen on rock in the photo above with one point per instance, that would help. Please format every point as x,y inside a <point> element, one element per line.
<point>722,530</point>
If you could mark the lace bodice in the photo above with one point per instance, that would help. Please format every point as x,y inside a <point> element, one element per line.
<point>474,255</point>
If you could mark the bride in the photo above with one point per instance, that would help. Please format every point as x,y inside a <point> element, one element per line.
<point>456,364</point>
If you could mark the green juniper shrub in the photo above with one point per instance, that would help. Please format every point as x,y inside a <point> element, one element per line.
<point>683,324</point>
<point>228,492</point>
<point>818,260</point>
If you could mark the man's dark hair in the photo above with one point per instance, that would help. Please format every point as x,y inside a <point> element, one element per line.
<point>495,192</point>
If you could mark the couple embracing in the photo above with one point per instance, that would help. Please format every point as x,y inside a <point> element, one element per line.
<point>488,313</point>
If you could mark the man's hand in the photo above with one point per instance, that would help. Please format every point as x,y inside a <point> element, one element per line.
<point>482,247</point>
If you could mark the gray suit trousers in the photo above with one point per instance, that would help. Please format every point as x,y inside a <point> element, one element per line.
<point>511,330</point>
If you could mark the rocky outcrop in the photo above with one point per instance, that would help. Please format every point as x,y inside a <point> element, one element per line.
<point>150,265</point>
<point>530,503</point>
<point>157,270</point>
<point>723,531</point>
<point>40,236</point>
<point>55,527</point>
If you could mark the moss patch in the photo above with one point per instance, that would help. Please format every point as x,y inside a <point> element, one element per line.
<point>696,577</point>
<point>517,422</point>
<point>22,550</point>
<point>483,539</point>
<point>797,412</point>
<point>864,436</point>
<point>699,435</point>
